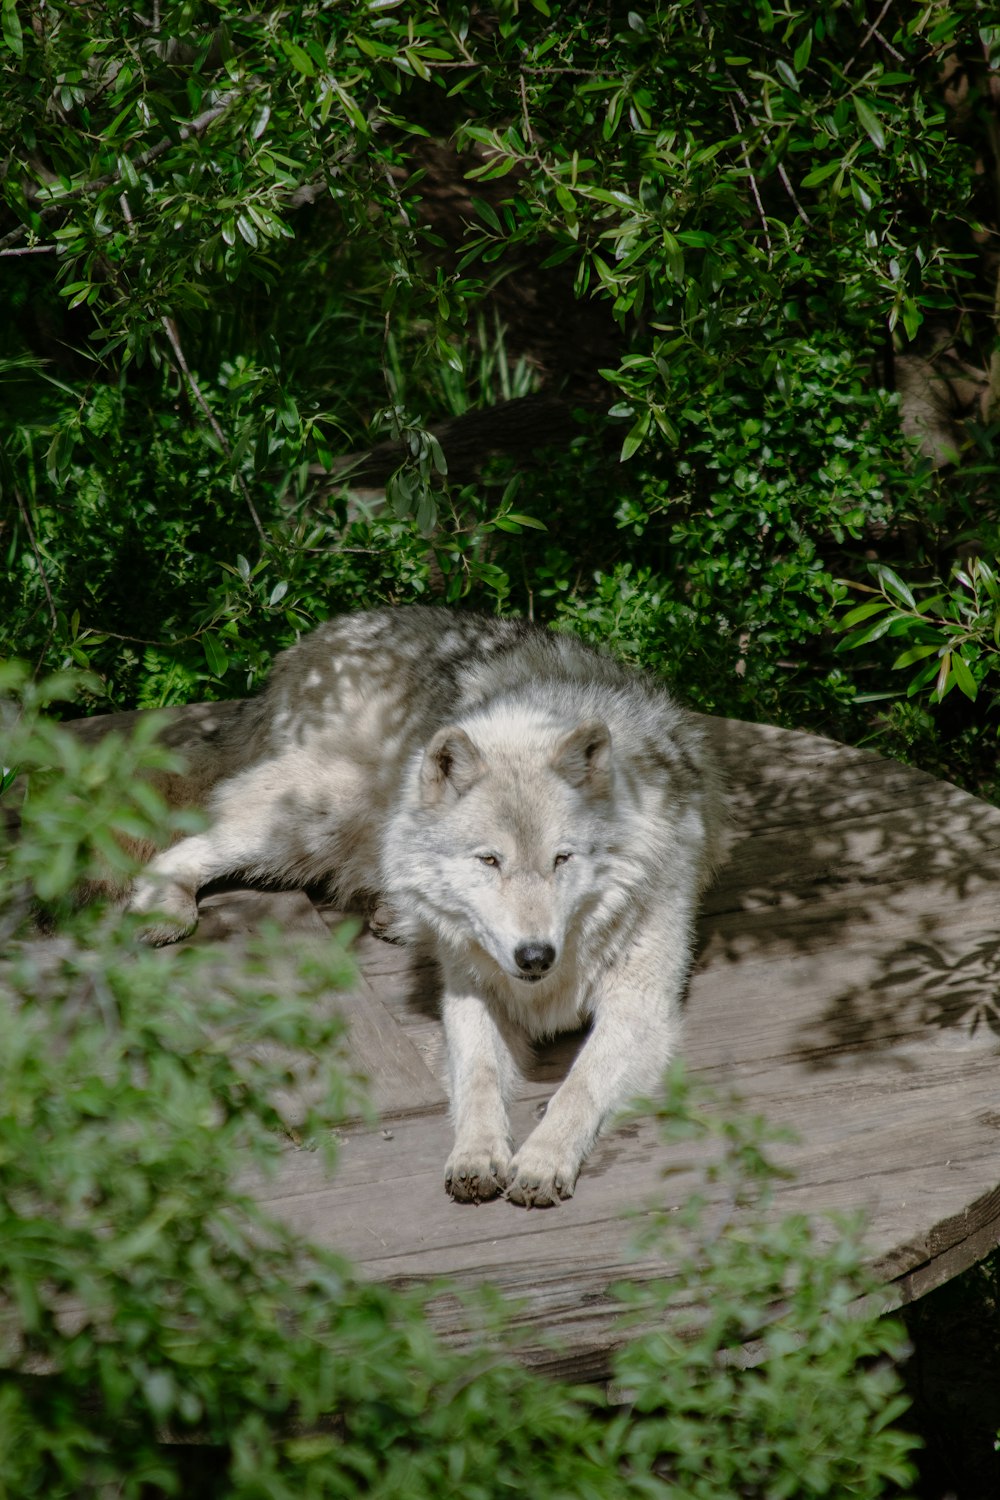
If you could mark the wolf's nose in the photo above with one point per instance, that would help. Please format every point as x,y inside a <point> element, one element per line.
<point>534,958</point>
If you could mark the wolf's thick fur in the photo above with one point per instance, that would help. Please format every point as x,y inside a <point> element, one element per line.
<point>542,815</point>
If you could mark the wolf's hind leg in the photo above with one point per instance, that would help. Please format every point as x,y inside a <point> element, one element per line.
<point>167,889</point>
<point>257,830</point>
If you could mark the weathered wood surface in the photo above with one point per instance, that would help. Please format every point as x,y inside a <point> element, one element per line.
<point>846,987</point>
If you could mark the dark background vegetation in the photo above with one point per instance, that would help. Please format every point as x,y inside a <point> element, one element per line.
<point>672,325</point>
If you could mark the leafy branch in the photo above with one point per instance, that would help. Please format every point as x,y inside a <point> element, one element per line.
<point>953,633</point>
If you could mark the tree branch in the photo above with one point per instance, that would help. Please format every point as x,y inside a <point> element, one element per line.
<point>84,189</point>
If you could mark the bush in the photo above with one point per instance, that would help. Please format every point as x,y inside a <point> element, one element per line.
<point>238,247</point>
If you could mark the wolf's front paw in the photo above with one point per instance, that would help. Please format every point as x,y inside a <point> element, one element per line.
<point>175,911</point>
<point>535,1179</point>
<point>476,1174</point>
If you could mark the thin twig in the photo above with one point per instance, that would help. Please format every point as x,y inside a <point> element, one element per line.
<point>786,183</point>
<point>185,372</point>
<point>872,31</point>
<point>782,174</point>
<point>394,194</point>
<point>889,47</point>
<point>755,190</point>
<point>139,640</point>
<point>26,518</point>
<point>30,249</point>
<point>529,134</point>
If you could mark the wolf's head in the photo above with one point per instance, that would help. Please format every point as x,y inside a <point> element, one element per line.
<point>506,844</point>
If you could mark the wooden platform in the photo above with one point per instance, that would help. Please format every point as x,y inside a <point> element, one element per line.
<point>847,986</point>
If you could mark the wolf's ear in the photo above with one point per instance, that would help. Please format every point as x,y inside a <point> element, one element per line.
<point>583,757</point>
<point>451,765</point>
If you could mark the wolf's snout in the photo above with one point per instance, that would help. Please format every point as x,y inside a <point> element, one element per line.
<point>534,959</point>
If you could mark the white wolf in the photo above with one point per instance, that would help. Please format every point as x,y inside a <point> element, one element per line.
<point>541,814</point>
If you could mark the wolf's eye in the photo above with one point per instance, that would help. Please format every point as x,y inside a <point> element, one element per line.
<point>492,860</point>
<point>560,859</point>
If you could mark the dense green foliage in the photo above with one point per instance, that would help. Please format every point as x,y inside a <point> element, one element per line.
<point>226,263</point>
<point>143,1293</point>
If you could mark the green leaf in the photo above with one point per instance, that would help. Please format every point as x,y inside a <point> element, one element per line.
<point>352,110</point>
<point>127,172</point>
<point>863,612</point>
<point>614,197</point>
<point>12,34</point>
<point>786,74</point>
<point>488,213</point>
<point>894,585</point>
<point>803,52</point>
<point>820,174</point>
<point>870,122</point>
<point>437,454</point>
<point>915,653</point>
<point>215,655</point>
<point>530,521</point>
<point>870,632</point>
<point>299,58</point>
<point>565,199</point>
<point>945,678</point>
<point>964,679</point>
<point>497,166</point>
<point>912,317</point>
<point>922,679</point>
<point>635,436</point>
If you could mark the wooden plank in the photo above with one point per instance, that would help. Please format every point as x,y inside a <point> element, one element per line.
<point>846,986</point>
<point>378,1049</point>
<point>386,1208</point>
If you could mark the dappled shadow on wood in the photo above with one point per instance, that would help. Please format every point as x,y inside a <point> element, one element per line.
<point>858,903</point>
<point>917,986</point>
<point>834,848</point>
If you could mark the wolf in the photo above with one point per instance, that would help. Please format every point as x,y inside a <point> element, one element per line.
<point>541,816</point>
